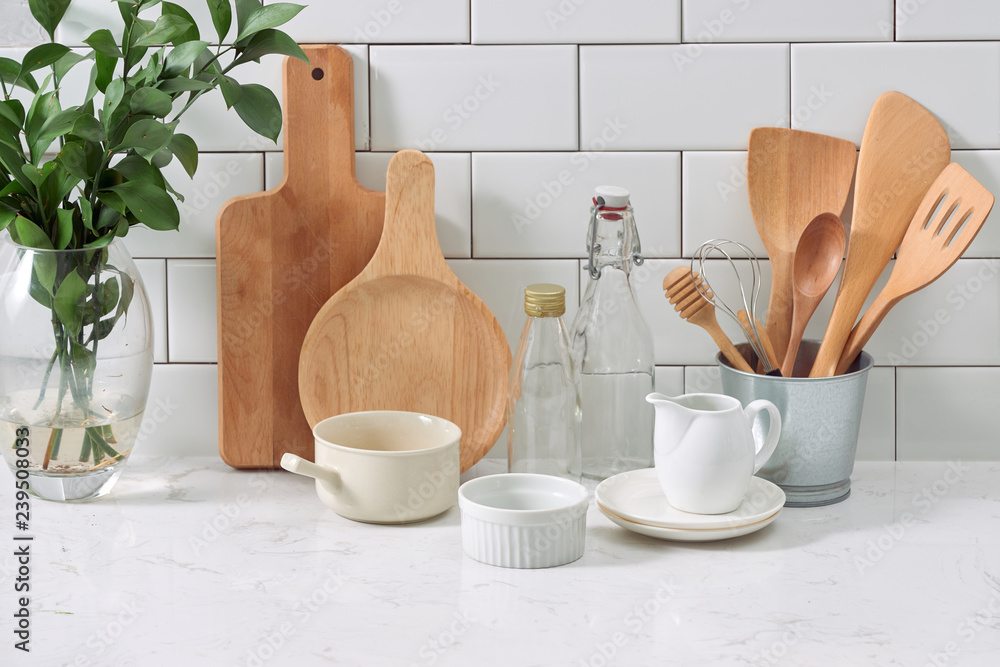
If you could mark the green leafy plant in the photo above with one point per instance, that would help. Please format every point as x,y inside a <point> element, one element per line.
<point>76,176</point>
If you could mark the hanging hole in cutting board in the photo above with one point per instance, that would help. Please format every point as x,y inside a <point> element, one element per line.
<point>317,74</point>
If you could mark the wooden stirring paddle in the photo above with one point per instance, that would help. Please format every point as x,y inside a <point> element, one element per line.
<point>792,176</point>
<point>903,150</point>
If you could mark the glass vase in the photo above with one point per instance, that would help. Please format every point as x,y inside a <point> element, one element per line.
<point>76,359</point>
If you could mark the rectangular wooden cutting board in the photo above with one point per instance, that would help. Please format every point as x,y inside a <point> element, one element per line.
<point>281,254</point>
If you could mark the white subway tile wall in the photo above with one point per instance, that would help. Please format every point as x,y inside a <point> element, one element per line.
<point>524,107</point>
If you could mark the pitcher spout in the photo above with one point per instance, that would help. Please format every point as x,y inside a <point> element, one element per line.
<point>672,421</point>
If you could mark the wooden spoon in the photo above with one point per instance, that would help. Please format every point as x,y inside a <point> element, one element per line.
<point>682,291</point>
<point>406,334</point>
<point>817,259</point>
<point>950,215</point>
<point>792,176</point>
<point>903,150</point>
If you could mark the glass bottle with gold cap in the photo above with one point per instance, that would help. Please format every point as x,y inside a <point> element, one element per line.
<point>543,404</point>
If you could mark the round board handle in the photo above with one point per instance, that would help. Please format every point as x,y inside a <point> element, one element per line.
<point>409,244</point>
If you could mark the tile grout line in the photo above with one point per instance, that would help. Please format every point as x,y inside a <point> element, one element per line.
<point>166,309</point>
<point>895,413</point>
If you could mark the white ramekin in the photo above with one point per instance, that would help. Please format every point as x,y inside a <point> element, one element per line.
<point>523,520</point>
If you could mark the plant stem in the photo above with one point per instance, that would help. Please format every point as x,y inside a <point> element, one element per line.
<point>98,306</point>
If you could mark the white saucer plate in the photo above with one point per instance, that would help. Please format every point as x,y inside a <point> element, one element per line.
<point>688,534</point>
<point>636,496</point>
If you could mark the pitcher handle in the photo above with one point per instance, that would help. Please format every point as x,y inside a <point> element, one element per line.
<point>765,449</point>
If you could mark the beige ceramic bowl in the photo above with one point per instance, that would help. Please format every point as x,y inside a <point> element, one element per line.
<point>384,466</point>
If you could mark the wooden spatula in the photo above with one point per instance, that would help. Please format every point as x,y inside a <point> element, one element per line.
<point>903,150</point>
<point>282,254</point>
<point>792,176</point>
<point>950,215</point>
<point>682,291</point>
<point>406,334</point>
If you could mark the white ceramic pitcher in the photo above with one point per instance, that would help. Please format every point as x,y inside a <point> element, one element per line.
<point>706,451</point>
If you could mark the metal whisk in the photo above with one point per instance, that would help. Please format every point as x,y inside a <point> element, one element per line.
<point>724,248</point>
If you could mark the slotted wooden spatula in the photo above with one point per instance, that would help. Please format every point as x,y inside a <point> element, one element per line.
<point>282,254</point>
<point>903,150</point>
<point>949,217</point>
<point>792,176</point>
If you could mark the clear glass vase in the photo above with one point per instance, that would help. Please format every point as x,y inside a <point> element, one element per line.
<point>76,358</point>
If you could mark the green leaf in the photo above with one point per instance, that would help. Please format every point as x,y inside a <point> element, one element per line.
<point>48,13</point>
<point>267,42</point>
<point>12,162</point>
<point>42,56</point>
<point>182,83</point>
<point>64,228</point>
<point>74,159</point>
<point>124,223</point>
<point>43,278</point>
<point>102,241</point>
<point>244,9</point>
<point>167,28</point>
<point>6,217</point>
<point>57,125</point>
<point>186,151</point>
<point>10,72</point>
<point>260,110</point>
<point>85,362</point>
<point>222,17</point>
<point>14,188</point>
<point>151,101</point>
<point>162,159</point>
<point>107,295</point>
<point>86,213</point>
<point>269,16</point>
<point>14,107</point>
<point>180,58</point>
<point>8,113</point>
<point>134,168</point>
<point>231,90</point>
<point>191,34</point>
<point>68,303</point>
<point>32,173</point>
<point>104,43</point>
<point>89,128</point>
<point>44,106</point>
<point>128,291</point>
<point>112,202</point>
<point>103,73</point>
<point>112,97</point>
<point>31,235</point>
<point>146,134</point>
<point>150,204</point>
<point>68,62</point>
<point>135,55</point>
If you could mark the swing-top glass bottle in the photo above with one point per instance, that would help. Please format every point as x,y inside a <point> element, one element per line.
<point>613,345</point>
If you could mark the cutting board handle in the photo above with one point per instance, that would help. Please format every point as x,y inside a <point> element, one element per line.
<point>409,244</point>
<point>312,97</point>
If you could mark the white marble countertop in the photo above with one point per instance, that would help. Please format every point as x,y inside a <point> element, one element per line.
<point>190,562</point>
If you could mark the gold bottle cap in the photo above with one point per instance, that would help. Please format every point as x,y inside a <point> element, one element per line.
<point>544,300</point>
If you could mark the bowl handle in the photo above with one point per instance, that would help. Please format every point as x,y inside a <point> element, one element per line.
<point>300,466</point>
